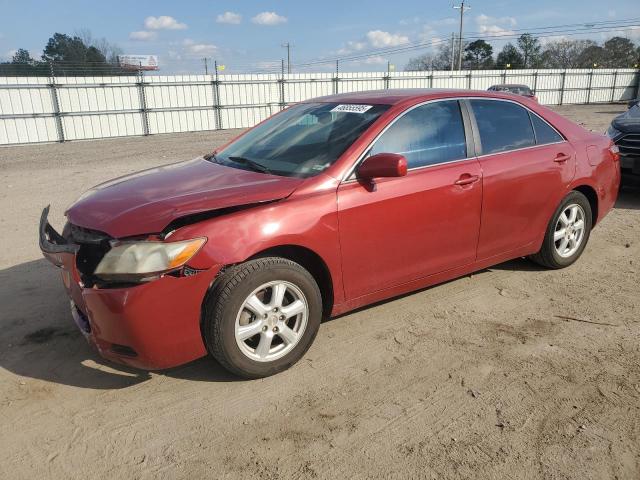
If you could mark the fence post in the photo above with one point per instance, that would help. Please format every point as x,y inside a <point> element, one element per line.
<point>386,81</point>
<point>56,104</point>
<point>469,80</point>
<point>535,82</point>
<point>216,97</point>
<point>564,79</point>
<point>431,79</point>
<point>613,89</point>
<point>589,87</point>
<point>143,102</point>
<point>504,76</point>
<point>637,89</point>
<point>281,82</point>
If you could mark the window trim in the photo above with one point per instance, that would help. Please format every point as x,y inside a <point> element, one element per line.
<point>548,125</point>
<point>466,125</point>
<point>472,134</point>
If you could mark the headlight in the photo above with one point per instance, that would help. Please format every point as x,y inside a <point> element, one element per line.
<point>145,260</point>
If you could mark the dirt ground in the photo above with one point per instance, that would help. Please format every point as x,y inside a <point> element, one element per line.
<point>481,377</point>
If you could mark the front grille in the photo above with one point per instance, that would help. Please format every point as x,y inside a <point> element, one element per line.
<point>629,145</point>
<point>93,247</point>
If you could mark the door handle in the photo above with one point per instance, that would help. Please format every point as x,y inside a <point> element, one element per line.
<point>561,158</point>
<point>466,179</point>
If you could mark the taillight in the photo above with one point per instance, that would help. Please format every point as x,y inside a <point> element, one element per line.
<point>615,152</point>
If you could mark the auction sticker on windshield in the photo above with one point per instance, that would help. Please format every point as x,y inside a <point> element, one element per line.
<point>350,108</point>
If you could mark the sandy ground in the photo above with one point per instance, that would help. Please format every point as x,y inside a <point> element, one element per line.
<point>476,378</point>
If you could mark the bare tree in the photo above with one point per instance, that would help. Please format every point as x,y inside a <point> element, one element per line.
<point>108,49</point>
<point>419,64</point>
<point>565,53</point>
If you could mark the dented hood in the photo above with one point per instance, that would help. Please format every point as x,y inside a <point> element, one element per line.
<point>146,202</point>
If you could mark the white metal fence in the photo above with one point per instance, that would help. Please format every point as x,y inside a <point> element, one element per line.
<point>56,109</point>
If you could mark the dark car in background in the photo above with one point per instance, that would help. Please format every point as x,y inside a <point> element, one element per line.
<point>625,132</point>
<point>516,89</point>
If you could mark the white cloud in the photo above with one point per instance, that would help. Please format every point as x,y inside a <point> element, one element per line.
<point>483,19</point>
<point>380,39</point>
<point>269,18</point>
<point>142,35</point>
<point>495,26</point>
<point>373,39</point>
<point>352,46</point>
<point>194,48</point>
<point>11,53</point>
<point>229,17</point>
<point>163,22</point>
<point>377,60</point>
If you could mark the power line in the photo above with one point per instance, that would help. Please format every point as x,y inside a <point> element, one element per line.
<point>624,26</point>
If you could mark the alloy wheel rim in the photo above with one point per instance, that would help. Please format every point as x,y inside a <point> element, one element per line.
<point>569,231</point>
<point>271,321</point>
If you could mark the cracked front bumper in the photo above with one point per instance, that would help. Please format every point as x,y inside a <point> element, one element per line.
<point>152,326</point>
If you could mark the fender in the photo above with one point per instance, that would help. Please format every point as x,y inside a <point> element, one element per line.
<point>237,236</point>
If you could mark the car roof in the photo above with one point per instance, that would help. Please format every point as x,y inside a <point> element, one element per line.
<point>404,95</point>
<point>511,85</point>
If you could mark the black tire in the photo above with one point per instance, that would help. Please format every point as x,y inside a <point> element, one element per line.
<point>225,299</point>
<point>548,256</point>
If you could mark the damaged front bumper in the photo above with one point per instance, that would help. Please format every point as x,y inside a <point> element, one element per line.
<point>53,245</point>
<point>152,326</point>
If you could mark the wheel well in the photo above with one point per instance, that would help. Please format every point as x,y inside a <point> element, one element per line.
<point>310,261</point>
<point>591,195</point>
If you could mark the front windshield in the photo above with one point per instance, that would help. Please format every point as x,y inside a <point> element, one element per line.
<point>302,141</point>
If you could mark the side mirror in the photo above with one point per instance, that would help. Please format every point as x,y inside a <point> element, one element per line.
<point>383,165</point>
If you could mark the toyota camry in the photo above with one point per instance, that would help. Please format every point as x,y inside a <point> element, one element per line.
<point>329,205</point>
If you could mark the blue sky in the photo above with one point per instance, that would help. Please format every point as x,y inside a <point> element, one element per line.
<point>247,34</point>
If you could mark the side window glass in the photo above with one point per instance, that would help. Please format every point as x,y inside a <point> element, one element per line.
<point>427,135</point>
<point>502,125</point>
<point>544,132</point>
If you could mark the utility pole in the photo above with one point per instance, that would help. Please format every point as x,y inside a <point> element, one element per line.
<point>206,67</point>
<point>461,8</point>
<point>453,49</point>
<point>288,47</point>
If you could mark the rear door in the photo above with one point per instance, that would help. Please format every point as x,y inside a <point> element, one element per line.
<point>526,167</point>
<point>426,222</point>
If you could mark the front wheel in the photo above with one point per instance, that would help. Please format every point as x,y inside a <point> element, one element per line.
<point>567,233</point>
<point>262,316</point>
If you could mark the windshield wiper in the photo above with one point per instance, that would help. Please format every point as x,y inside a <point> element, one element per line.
<point>258,167</point>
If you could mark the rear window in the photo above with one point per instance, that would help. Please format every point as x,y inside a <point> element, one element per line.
<point>502,125</point>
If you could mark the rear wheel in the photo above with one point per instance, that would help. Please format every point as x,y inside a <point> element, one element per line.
<point>567,233</point>
<point>262,316</point>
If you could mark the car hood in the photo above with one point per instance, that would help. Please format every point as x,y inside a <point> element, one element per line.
<point>146,202</point>
<point>629,121</point>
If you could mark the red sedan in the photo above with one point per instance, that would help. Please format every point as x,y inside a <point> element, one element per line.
<point>331,204</point>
